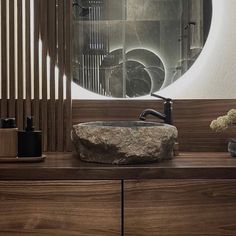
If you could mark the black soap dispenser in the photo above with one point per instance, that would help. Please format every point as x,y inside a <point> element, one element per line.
<point>29,141</point>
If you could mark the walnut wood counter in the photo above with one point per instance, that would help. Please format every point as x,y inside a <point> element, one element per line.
<point>193,194</point>
<point>66,166</point>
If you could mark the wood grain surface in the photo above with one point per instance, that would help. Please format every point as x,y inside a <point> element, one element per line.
<point>68,18</point>
<point>180,207</point>
<point>12,53</point>
<point>28,81</point>
<point>8,143</point>
<point>36,68</point>
<point>4,70</point>
<point>52,53</point>
<point>61,66</point>
<point>60,208</point>
<point>191,117</point>
<point>44,36</point>
<point>29,84</point>
<point>20,74</point>
<point>66,166</point>
<point>22,159</point>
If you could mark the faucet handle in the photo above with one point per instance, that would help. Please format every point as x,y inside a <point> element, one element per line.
<point>163,98</point>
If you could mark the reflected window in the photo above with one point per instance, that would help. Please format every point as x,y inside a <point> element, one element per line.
<point>131,48</point>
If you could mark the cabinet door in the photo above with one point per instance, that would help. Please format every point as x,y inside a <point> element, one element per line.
<point>180,208</point>
<point>83,208</point>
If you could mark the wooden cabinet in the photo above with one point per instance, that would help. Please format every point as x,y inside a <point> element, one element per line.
<point>83,208</point>
<point>180,207</point>
<point>192,195</point>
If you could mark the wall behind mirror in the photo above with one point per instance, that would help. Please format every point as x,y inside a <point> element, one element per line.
<point>131,48</point>
<point>213,74</point>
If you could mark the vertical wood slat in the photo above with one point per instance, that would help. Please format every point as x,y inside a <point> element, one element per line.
<point>11,112</point>
<point>4,58</point>
<point>53,24</point>
<point>28,58</point>
<point>68,71</point>
<point>44,32</point>
<point>20,113</point>
<point>52,54</point>
<point>60,35</point>
<point>36,112</point>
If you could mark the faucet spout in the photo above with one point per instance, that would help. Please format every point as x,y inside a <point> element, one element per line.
<point>166,116</point>
<point>152,112</point>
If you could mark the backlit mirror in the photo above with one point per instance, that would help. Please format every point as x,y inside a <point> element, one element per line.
<point>131,48</point>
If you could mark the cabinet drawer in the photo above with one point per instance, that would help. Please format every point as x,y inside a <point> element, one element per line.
<point>60,208</point>
<point>180,207</point>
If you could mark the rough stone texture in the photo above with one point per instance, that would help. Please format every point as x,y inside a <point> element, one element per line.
<point>124,142</point>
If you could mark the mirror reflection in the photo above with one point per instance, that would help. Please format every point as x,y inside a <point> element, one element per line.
<point>131,48</point>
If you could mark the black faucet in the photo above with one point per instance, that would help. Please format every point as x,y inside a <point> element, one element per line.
<point>166,116</point>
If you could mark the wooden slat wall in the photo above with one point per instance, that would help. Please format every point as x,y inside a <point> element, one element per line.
<point>44,38</point>
<point>60,43</point>
<point>20,97</point>
<point>52,53</point>
<point>4,74</point>
<point>27,59</point>
<point>68,71</point>
<point>29,84</point>
<point>11,59</point>
<point>36,63</point>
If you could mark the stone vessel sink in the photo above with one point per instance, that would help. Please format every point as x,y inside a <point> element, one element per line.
<point>124,142</point>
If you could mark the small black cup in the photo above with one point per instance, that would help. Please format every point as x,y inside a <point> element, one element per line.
<point>232,147</point>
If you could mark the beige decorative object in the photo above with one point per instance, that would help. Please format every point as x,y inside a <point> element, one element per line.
<point>124,142</point>
<point>8,142</point>
<point>224,122</point>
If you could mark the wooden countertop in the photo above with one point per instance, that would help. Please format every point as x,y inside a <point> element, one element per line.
<point>66,166</point>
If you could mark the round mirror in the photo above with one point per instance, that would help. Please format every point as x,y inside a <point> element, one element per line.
<point>131,48</point>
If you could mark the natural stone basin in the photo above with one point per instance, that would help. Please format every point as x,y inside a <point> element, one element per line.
<point>124,142</point>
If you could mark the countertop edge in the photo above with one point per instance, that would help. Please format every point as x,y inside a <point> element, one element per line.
<point>59,166</point>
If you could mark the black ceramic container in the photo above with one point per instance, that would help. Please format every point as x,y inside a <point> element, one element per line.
<point>232,147</point>
<point>29,141</point>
